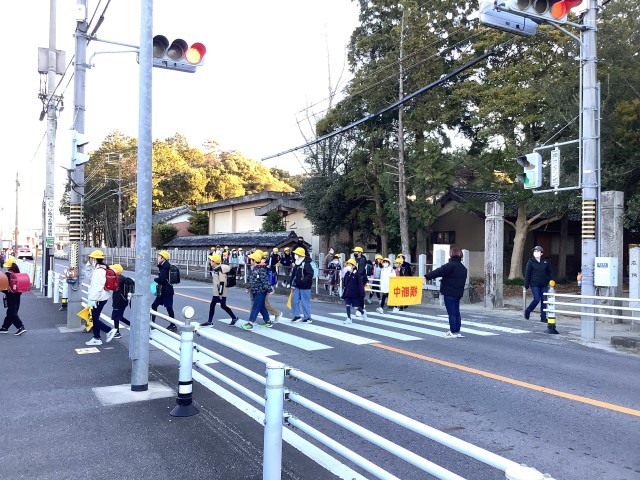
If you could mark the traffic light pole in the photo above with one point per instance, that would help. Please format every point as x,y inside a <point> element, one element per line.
<point>141,304</point>
<point>590,165</point>
<point>77,175</point>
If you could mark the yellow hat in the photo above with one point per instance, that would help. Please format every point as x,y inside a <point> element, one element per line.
<point>256,256</point>
<point>351,261</point>
<point>358,249</point>
<point>300,251</point>
<point>286,249</point>
<point>386,260</point>
<point>239,249</point>
<point>117,268</point>
<point>164,254</point>
<point>378,256</point>
<point>97,254</point>
<point>8,262</point>
<point>215,258</point>
<point>337,255</point>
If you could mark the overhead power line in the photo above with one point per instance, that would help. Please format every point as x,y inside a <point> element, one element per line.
<point>393,106</point>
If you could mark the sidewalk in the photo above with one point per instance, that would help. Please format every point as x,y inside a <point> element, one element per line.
<point>55,427</point>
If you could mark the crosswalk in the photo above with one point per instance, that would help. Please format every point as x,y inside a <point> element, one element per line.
<point>401,326</point>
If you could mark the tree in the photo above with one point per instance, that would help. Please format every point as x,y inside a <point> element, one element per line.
<point>162,233</point>
<point>273,222</point>
<point>199,223</point>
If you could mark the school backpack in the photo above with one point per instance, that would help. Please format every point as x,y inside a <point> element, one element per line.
<point>174,275</point>
<point>111,280</point>
<point>231,277</point>
<point>19,282</point>
<point>369,269</point>
<point>128,287</point>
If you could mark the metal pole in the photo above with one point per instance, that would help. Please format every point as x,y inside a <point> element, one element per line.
<point>77,176</point>
<point>141,304</point>
<point>273,419</point>
<point>589,172</point>
<point>15,232</point>
<point>119,234</point>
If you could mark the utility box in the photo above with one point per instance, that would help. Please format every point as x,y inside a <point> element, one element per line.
<point>605,273</point>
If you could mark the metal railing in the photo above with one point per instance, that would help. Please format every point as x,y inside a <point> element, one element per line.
<point>596,309</point>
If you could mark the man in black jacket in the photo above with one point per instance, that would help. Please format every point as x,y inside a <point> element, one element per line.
<point>454,278</point>
<point>537,276</point>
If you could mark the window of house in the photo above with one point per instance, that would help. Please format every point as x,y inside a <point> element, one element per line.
<point>447,238</point>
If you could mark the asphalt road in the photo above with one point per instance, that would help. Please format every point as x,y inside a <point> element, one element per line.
<point>544,401</point>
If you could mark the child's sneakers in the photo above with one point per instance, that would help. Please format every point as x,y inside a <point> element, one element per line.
<point>379,310</point>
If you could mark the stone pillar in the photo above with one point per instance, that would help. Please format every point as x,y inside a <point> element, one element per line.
<point>634,285</point>
<point>466,263</point>
<point>611,235</point>
<point>493,254</point>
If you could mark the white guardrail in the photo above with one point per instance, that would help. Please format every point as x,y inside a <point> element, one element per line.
<point>602,307</point>
<point>275,393</point>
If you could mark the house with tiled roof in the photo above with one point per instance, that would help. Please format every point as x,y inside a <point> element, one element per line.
<point>177,216</point>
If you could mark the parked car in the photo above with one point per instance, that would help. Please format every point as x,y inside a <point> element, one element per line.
<point>25,252</point>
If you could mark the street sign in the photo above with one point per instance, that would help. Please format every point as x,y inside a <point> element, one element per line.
<point>49,233</point>
<point>555,168</point>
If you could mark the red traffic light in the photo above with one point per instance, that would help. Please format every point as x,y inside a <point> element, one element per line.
<point>552,10</point>
<point>177,55</point>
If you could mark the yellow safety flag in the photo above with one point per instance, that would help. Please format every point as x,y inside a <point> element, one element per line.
<point>405,291</point>
<point>85,315</point>
<point>289,300</point>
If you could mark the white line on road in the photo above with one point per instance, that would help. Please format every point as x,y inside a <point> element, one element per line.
<point>366,328</point>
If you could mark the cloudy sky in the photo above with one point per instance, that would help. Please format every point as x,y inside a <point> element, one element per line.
<point>265,63</point>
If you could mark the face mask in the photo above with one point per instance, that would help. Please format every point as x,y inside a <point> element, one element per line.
<point>349,268</point>
<point>537,254</point>
<point>385,264</point>
<point>296,257</point>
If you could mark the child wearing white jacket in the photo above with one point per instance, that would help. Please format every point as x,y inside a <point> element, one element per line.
<point>386,273</point>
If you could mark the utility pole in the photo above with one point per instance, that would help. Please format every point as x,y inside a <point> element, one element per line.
<point>141,304</point>
<point>590,165</point>
<point>402,179</point>
<point>15,232</point>
<point>77,176</point>
<point>51,101</point>
<point>119,232</point>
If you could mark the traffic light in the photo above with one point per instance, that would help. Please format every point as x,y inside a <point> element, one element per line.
<point>531,177</point>
<point>548,10</point>
<point>78,158</point>
<point>177,55</point>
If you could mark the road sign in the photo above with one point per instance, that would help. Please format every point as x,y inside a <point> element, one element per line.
<point>49,233</point>
<point>555,168</point>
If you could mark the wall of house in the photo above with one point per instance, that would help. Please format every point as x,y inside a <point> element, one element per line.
<point>235,218</point>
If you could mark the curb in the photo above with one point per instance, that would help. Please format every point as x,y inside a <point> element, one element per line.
<point>626,342</point>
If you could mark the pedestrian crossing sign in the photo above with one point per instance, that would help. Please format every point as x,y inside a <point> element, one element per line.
<point>405,291</point>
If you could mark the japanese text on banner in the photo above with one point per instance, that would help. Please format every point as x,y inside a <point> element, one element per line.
<point>405,291</point>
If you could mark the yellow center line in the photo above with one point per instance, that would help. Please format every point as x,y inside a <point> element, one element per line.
<point>519,383</point>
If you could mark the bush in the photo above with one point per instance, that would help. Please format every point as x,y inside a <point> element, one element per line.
<point>514,281</point>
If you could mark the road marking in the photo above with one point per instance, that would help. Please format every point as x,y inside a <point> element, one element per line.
<point>238,341</point>
<point>426,331</point>
<point>329,332</point>
<point>279,336</point>
<point>512,381</point>
<point>444,318</point>
<point>366,328</point>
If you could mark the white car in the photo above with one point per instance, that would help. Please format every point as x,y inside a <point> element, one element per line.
<point>24,252</point>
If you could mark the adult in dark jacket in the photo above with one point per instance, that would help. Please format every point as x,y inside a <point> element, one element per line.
<point>353,290</point>
<point>537,276</point>
<point>13,301</point>
<point>301,281</point>
<point>454,278</point>
<point>166,289</point>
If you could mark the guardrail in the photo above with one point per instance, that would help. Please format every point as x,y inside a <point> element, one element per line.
<point>634,307</point>
<point>276,393</point>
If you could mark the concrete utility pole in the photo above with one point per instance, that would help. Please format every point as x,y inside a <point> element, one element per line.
<point>590,155</point>
<point>48,225</point>
<point>402,177</point>
<point>77,175</point>
<point>15,232</point>
<point>141,304</point>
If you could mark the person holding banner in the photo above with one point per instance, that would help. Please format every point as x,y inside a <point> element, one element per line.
<point>454,278</point>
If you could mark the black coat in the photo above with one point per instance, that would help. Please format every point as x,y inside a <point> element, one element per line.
<point>454,277</point>
<point>352,286</point>
<point>302,275</point>
<point>537,273</point>
<point>163,279</point>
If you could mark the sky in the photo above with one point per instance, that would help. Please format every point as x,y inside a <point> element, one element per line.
<point>266,62</point>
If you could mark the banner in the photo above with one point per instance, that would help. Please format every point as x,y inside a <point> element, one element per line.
<point>405,291</point>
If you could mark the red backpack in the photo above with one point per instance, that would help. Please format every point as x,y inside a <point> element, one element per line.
<point>111,279</point>
<point>19,282</point>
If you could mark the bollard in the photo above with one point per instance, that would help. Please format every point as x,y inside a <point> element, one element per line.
<point>50,284</point>
<point>273,420</point>
<point>65,295</point>
<point>56,290</point>
<point>184,403</point>
<point>551,309</point>
<point>524,300</point>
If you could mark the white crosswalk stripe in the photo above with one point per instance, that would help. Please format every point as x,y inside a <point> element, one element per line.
<point>239,341</point>
<point>280,336</point>
<point>328,332</point>
<point>366,328</point>
<point>164,342</point>
<point>443,318</point>
<point>440,324</point>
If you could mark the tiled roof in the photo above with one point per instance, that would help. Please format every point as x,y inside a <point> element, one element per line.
<point>249,198</point>
<point>245,240</point>
<point>165,215</point>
